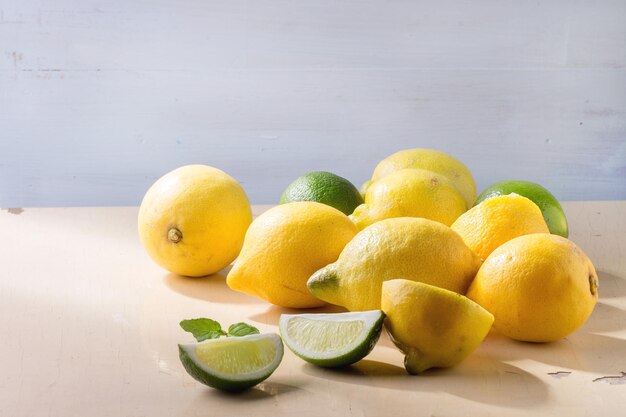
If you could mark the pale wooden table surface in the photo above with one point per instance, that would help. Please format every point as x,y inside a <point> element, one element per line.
<point>89,327</point>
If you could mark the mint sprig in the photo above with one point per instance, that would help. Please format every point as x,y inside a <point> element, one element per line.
<point>241,329</point>
<point>203,329</point>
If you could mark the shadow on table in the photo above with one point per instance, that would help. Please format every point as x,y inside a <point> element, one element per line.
<point>266,389</point>
<point>580,351</point>
<point>478,378</point>
<point>611,286</point>
<point>212,402</point>
<point>211,288</point>
<point>272,314</point>
<point>605,318</point>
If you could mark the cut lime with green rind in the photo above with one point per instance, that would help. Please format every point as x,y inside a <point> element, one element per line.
<point>332,340</point>
<point>326,188</point>
<point>232,363</point>
<point>550,207</point>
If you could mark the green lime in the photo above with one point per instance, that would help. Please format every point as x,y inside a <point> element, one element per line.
<point>232,363</point>
<point>332,340</point>
<point>324,187</point>
<point>550,208</point>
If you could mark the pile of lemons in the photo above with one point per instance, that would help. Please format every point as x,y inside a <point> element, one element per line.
<point>443,265</point>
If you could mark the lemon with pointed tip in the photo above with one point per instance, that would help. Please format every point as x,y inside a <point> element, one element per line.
<point>497,220</point>
<point>410,193</point>
<point>540,287</point>
<point>413,248</point>
<point>284,246</point>
<point>431,160</point>
<point>192,221</point>
<point>433,327</point>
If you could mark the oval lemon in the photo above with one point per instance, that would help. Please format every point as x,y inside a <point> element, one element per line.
<point>431,160</point>
<point>497,220</point>
<point>539,287</point>
<point>410,193</point>
<point>412,248</point>
<point>284,246</point>
<point>192,221</point>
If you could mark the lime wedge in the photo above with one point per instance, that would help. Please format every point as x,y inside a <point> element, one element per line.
<point>332,340</point>
<point>233,363</point>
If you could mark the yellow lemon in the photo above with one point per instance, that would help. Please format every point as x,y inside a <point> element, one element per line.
<point>284,246</point>
<point>550,207</point>
<point>539,287</point>
<point>433,327</point>
<point>412,248</point>
<point>410,193</point>
<point>192,221</point>
<point>431,160</point>
<point>498,220</point>
<point>363,188</point>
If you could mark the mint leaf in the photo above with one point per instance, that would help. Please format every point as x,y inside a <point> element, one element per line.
<point>203,329</point>
<point>241,329</point>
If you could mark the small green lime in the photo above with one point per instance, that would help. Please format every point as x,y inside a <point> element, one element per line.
<point>232,363</point>
<point>324,187</point>
<point>332,340</point>
<point>550,208</point>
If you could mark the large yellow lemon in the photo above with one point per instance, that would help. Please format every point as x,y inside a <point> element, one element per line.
<point>539,287</point>
<point>410,193</point>
<point>284,246</point>
<point>431,160</point>
<point>407,247</point>
<point>192,221</point>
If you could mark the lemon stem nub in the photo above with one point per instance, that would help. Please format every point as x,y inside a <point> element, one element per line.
<point>593,284</point>
<point>174,235</point>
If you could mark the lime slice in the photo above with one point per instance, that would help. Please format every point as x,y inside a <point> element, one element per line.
<point>233,363</point>
<point>332,340</point>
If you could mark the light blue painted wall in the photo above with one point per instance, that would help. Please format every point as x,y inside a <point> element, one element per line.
<point>99,98</point>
